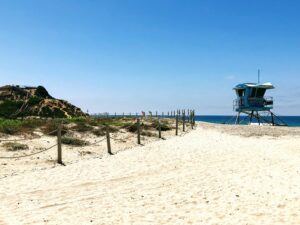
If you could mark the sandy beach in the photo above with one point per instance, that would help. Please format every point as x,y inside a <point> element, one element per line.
<point>215,174</point>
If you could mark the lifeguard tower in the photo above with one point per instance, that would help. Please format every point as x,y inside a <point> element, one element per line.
<point>252,102</point>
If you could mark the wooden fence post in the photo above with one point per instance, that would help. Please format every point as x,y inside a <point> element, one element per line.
<point>191,119</point>
<point>159,129</point>
<point>183,120</point>
<point>59,149</point>
<point>176,132</point>
<point>138,131</point>
<point>108,141</point>
<point>194,117</point>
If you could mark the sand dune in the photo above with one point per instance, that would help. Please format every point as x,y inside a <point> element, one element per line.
<point>208,176</point>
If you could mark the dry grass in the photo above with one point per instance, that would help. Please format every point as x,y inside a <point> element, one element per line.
<point>73,141</point>
<point>51,126</point>
<point>14,146</point>
<point>99,132</point>
<point>148,134</point>
<point>96,126</point>
<point>149,125</point>
<point>82,127</point>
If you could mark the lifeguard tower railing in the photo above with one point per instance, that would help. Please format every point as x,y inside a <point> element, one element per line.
<point>253,104</point>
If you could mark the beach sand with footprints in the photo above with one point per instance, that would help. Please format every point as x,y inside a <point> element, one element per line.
<point>215,174</point>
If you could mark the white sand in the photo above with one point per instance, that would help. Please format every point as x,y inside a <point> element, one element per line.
<point>97,148</point>
<point>205,177</point>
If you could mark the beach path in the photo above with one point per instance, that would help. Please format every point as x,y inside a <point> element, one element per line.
<point>204,177</point>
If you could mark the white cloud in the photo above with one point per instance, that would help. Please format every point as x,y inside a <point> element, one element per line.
<point>230,77</point>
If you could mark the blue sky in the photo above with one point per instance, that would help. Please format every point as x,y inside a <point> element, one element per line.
<point>133,55</point>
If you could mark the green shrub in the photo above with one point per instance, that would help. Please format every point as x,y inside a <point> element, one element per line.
<point>10,126</point>
<point>32,123</point>
<point>76,119</point>
<point>46,112</point>
<point>58,113</point>
<point>165,127</point>
<point>131,127</point>
<point>73,141</point>
<point>163,124</point>
<point>8,108</point>
<point>32,101</point>
<point>14,146</point>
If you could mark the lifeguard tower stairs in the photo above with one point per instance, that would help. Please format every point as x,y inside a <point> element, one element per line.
<point>254,106</point>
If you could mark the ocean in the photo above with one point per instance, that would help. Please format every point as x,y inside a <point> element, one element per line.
<point>292,121</point>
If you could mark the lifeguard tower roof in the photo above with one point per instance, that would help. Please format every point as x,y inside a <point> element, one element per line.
<point>267,85</point>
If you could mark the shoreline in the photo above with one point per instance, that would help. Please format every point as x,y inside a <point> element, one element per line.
<point>292,121</point>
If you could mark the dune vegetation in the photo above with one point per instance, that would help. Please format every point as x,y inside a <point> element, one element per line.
<point>97,126</point>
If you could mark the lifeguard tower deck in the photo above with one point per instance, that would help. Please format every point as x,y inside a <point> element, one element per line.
<point>251,101</point>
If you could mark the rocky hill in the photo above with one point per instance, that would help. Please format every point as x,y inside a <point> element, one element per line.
<point>20,101</point>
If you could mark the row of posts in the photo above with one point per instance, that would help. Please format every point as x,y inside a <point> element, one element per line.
<point>180,114</point>
<point>163,115</point>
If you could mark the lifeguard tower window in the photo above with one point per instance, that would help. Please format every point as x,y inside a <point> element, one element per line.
<point>241,92</point>
<point>258,93</point>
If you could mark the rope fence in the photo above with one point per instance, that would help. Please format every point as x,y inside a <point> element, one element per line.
<point>23,156</point>
<point>190,118</point>
<point>97,142</point>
